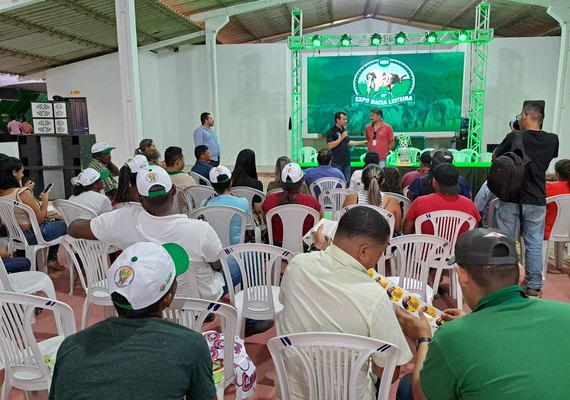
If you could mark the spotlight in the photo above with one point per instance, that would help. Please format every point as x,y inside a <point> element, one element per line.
<point>376,39</point>
<point>462,36</point>
<point>431,37</point>
<point>345,40</point>
<point>401,38</point>
<point>317,41</point>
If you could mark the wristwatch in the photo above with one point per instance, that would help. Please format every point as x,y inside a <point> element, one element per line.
<point>422,340</point>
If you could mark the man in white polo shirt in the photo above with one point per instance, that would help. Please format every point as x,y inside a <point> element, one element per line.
<point>154,223</point>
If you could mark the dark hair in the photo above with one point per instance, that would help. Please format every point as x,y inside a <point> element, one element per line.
<point>371,158</point>
<point>221,187</point>
<point>79,188</point>
<point>337,115</point>
<point>535,111</point>
<point>377,111</point>
<point>152,156</point>
<point>199,150</point>
<point>126,180</point>
<point>279,165</point>
<point>564,172</point>
<point>171,155</point>
<point>204,117</point>
<point>8,166</point>
<point>289,189</point>
<point>557,165</point>
<point>372,178</point>
<point>493,277</point>
<point>363,222</point>
<point>244,167</point>
<point>391,180</point>
<point>324,157</point>
<point>143,146</point>
<point>154,308</point>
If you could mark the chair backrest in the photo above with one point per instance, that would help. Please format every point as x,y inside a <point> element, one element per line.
<point>333,363</point>
<point>362,157</point>
<point>492,210</point>
<point>332,200</point>
<point>4,279</point>
<point>385,213</point>
<point>273,191</point>
<point>392,157</point>
<point>23,360</point>
<point>220,218</point>
<point>458,156</point>
<point>486,157</point>
<point>308,154</point>
<point>560,231</point>
<point>260,267</point>
<point>247,193</point>
<point>179,203</point>
<point>472,155</point>
<point>413,154</point>
<point>292,217</point>
<point>413,256</point>
<point>322,185</point>
<point>16,235</point>
<point>71,211</point>
<point>191,313</point>
<point>405,203</point>
<point>196,194</point>
<point>200,179</point>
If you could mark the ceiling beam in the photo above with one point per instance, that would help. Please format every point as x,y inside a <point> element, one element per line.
<point>237,9</point>
<point>172,42</point>
<point>169,11</point>
<point>469,6</point>
<point>545,31</point>
<point>239,23</point>
<point>13,4</point>
<point>418,10</point>
<point>30,56</point>
<point>519,17</point>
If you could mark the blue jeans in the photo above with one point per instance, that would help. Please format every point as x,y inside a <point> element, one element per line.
<point>507,220</point>
<point>234,271</point>
<point>345,169</point>
<point>50,230</point>
<point>405,388</point>
<point>382,163</point>
<point>16,264</point>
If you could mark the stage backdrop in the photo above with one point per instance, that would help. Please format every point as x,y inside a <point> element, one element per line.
<point>416,92</point>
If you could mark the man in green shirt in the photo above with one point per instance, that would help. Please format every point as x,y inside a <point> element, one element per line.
<point>509,347</point>
<point>137,355</point>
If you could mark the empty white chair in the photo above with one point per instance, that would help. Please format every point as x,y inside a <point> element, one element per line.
<point>71,211</point>
<point>27,282</point>
<point>260,267</point>
<point>413,154</point>
<point>200,179</point>
<point>308,154</point>
<point>292,217</point>
<point>428,149</point>
<point>486,157</point>
<point>220,218</point>
<point>332,201</point>
<point>334,364</point>
<point>405,203</point>
<point>191,313</point>
<point>560,232</point>
<point>472,155</point>
<point>24,357</point>
<point>325,184</point>
<point>392,157</point>
<point>196,194</point>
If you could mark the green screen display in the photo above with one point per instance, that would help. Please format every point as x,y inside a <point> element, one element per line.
<point>416,92</point>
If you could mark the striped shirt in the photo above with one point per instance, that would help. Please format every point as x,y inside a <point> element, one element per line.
<point>110,183</point>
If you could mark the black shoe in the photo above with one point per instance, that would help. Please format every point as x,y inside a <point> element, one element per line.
<point>535,293</point>
<point>258,327</point>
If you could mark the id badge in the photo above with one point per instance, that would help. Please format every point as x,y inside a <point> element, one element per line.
<point>374,142</point>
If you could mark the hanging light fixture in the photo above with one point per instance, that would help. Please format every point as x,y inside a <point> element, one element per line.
<point>401,38</point>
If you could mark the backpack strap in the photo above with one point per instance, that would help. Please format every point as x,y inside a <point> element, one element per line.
<point>517,146</point>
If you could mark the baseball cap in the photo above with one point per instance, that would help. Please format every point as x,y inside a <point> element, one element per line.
<point>153,176</point>
<point>144,272</point>
<point>89,176</point>
<point>441,156</point>
<point>291,173</point>
<point>101,147</point>
<point>448,178</point>
<point>136,163</point>
<point>485,246</point>
<point>220,174</point>
<point>425,157</point>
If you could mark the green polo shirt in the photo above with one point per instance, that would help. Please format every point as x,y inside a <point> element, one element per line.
<point>509,347</point>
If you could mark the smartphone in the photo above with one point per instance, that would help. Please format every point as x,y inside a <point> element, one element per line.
<point>48,188</point>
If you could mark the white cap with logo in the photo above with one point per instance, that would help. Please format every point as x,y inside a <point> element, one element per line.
<point>291,173</point>
<point>137,163</point>
<point>101,147</point>
<point>220,174</point>
<point>153,176</point>
<point>89,176</point>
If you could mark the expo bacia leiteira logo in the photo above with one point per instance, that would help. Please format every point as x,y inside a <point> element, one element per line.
<point>384,82</point>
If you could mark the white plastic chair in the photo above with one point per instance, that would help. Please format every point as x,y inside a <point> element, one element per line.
<point>412,258</point>
<point>325,184</point>
<point>413,154</point>
<point>486,157</point>
<point>71,211</point>
<point>428,149</point>
<point>385,213</point>
<point>220,218</point>
<point>472,155</point>
<point>292,217</point>
<point>191,313</point>
<point>332,201</point>
<point>308,154</point>
<point>200,179</point>
<point>332,363</point>
<point>560,232</point>
<point>16,237</point>
<point>23,356</point>
<point>273,191</point>
<point>260,267</point>
<point>392,157</point>
<point>405,203</point>
<point>249,193</point>
<point>196,194</point>
<point>491,214</point>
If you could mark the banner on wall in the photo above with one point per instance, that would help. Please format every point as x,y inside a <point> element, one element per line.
<point>416,92</point>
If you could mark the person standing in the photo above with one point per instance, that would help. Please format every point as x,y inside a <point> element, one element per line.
<point>379,136</point>
<point>26,128</point>
<point>338,142</point>
<point>540,147</point>
<point>204,135</point>
<point>14,126</point>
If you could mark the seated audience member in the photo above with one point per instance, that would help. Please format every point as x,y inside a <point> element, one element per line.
<point>292,178</point>
<point>87,187</point>
<point>174,165</point>
<point>422,185</point>
<point>127,187</point>
<point>101,161</point>
<point>372,179</point>
<point>331,291</point>
<point>356,179</point>
<point>391,180</point>
<point>446,197</point>
<point>276,184</point>
<point>144,146</point>
<point>14,264</point>
<point>479,355</point>
<point>142,283</point>
<point>324,169</point>
<point>154,221</point>
<point>562,170</point>
<point>425,164</point>
<point>245,174</point>
<point>203,158</point>
<point>11,174</point>
<point>482,201</point>
<point>153,157</point>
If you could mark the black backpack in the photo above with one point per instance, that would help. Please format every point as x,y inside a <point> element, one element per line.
<point>508,171</point>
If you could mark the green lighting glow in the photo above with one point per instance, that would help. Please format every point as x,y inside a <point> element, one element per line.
<point>431,37</point>
<point>376,39</point>
<point>462,36</point>
<point>401,38</point>
<point>317,41</point>
<point>345,40</point>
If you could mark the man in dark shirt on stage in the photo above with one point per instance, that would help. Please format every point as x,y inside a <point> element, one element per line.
<point>338,142</point>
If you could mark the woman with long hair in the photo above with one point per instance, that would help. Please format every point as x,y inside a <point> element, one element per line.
<point>144,146</point>
<point>127,186</point>
<point>245,174</point>
<point>276,184</point>
<point>372,180</point>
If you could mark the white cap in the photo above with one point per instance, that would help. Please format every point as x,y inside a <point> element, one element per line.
<point>291,173</point>
<point>101,147</point>
<point>89,176</point>
<point>151,176</point>
<point>137,163</point>
<point>144,273</point>
<point>217,174</point>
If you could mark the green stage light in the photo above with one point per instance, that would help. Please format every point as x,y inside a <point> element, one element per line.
<point>462,36</point>
<point>317,41</point>
<point>376,39</point>
<point>345,40</point>
<point>431,37</point>
<point>401,38</point>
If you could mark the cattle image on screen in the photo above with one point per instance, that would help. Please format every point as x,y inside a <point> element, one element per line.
<point>416,92</point>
